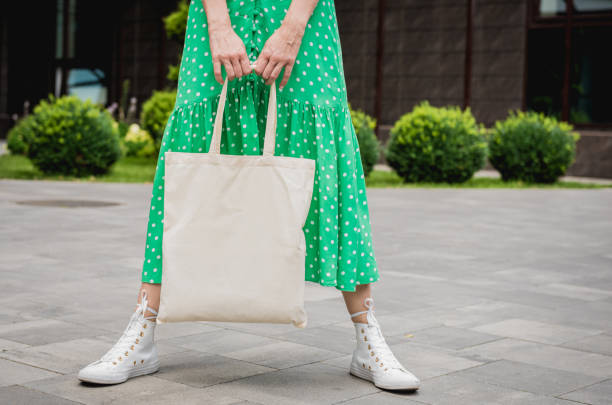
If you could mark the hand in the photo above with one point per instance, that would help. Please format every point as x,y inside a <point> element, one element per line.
<point>227,49</point>
<point>280,50</point>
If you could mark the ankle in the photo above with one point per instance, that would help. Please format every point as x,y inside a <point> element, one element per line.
<point>360,319</point>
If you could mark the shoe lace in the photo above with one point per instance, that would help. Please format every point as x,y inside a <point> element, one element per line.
<point>131,332</point>
<point>377,340</point>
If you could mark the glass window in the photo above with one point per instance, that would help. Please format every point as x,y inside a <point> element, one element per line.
<point>88,84</point>
<point>552,8</point>
<point>590,79</point>
<point>592,6</point>
<point>545,71</point>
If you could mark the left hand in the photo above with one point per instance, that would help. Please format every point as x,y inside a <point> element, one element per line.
<point>280,51</point>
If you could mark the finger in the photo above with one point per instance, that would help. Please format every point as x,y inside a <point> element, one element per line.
<point>275,72</point>
<point>268,70</point>
<point>288,69</point>
<point>229,70</point>
<point>217,70</point>
<point>245,64</point>
<point>261,63</point>
<point>237,67</point>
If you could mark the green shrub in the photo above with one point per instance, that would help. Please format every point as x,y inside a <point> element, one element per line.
<point>121,127</point>
<point>72,137</point>
<point>369,146</point>
<point>532,147</point>
<point>18,138</point>
<point>433,144</point>
<point>155,113</point>
<point>138,142</point>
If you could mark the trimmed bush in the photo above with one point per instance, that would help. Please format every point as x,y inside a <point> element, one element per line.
<point>72,137</point>
<point>155,113</point>
<point>369,145</point>
<point>532,147</point>
<point>440,145</point>
<point>18,138</point>
<point>138,142</point>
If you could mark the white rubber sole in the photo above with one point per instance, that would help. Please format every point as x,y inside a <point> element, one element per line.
<point>150,369</point>
<point>368,375</point>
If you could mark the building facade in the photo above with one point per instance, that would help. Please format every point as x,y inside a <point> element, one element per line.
<point>491,55</point>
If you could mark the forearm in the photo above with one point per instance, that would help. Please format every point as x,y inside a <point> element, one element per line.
<point>299,13</point>
<point>216,13</point>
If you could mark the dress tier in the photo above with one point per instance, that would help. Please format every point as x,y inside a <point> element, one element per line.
<point>314,122</point>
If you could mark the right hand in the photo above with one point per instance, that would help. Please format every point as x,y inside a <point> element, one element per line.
<point>227,49</point>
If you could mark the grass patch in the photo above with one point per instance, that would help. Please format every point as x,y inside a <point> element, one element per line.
<point>126,170</point>
<point>383,179</point>
<point>142,170</point>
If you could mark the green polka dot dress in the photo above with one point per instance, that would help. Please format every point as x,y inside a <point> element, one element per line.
<point>314,122</point>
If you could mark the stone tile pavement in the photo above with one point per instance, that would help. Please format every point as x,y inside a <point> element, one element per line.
<point>490,296</point>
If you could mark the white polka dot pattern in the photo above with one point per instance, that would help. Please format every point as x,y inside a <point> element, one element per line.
<point>313,122</point>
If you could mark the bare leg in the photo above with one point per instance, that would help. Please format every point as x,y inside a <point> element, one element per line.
<point>153,292</point>
<point>354,301</point>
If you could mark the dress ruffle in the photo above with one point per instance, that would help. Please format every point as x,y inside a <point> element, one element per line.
<point>339,247</point>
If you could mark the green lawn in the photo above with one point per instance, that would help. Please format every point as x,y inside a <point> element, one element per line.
<point>142,170</point>
<point>126,170</point>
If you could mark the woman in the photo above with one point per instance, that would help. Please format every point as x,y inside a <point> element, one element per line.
<point>298,42</point>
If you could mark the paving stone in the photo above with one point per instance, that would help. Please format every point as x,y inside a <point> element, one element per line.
<point>334,338</point>
<point>535,331</point>
<point>17,395</point>
<point>309,384</point>
<point>220,341</point>
<point>6,345</point>
<point>597,344</point>
<point>448,267</point>
<point>45,331</point>
<point>576,291</point>
<point>282,355</point>
<point>201,369</point>
<point>386,398</point>
<point>135,390</point>
<point>17,373</point>
<point>537,354</point>
<point>526,377</point>
<point>457,389</point>
<point>452,338</point>
<point>596,394</point>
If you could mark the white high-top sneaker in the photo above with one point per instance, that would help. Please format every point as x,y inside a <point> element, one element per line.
<point>134,353</point>
<point>373,359</point>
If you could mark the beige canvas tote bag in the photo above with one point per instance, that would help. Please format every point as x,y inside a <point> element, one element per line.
<point>233,245</point>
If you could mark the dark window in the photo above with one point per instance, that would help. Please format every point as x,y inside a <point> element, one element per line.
<point>545,71</point>
<point>568,62</point>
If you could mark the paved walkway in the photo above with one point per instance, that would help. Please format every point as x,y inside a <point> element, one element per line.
<point>490,296</point>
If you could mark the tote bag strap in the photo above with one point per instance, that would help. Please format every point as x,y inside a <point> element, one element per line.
<point>270,136</point>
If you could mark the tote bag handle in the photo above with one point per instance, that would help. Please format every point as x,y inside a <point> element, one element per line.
<point>270,136</point>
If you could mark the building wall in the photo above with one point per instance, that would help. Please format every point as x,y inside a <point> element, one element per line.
<point>424,55</point>
<point>143,51</point>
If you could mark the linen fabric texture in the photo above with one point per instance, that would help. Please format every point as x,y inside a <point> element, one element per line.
<point>233,247</point>
<point>314,122</point>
